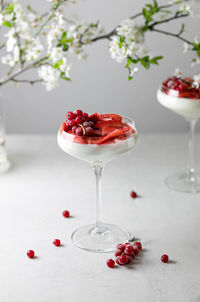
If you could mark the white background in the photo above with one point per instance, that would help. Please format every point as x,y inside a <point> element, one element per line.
<point>100,84</point>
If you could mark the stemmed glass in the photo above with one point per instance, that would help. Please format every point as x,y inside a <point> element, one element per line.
<point>186,104</point>
<point>99,237</point>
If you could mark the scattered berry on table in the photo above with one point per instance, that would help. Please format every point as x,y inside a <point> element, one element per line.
<point>133,194</point>
<point>56,242</point>
<point>30,253</point>
<point>110,263</point>
<point>165,258</point>
<point>66,214</point>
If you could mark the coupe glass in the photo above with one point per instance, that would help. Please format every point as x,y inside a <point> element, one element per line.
<point>188,106</point>
<point>98,237</point>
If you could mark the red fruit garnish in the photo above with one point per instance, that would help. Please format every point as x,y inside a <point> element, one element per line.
<point>120,247</point>
<point>56,242</point>
<point>127,244</point>
<point>165,258</point>
<point>89,131</point>
<point>66,214</point>
<point>79,139</point>
<point>111,116</point>
<point>71,123</point>
<point>74,129</point>
<point>138,244</point>
<point>78,112</point>
<point>70,115</point>
<point>79,120</point>
<point>129,259</point>
<point>118,253</point>
<point>113,135</point>
<point>79,131</point>
<point>135,250</point>
<point>123,259</point>
<point>30,253</point>
<point>129,250</point>
<point>94,117</point>
<point>110,263</point>
<point>63,127</point>
<point>109,123</point>
<point>133,194</point>
<point>85,115</point>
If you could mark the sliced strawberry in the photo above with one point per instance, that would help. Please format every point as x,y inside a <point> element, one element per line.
<point>63,127</point>
<point>94,117</point>
<point>111,116</point>
<point>109,123</point>
<point>113,134</point>
<point>106,130</point>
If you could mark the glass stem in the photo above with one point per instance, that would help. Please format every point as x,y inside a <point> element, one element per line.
<point>98,171</point>
<point>192,125</point>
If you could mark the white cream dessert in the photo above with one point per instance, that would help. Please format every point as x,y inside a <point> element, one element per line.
<point>96,137</point>
<point>180,96</point>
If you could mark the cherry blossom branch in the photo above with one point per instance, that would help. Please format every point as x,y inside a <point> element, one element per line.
<point>178,36</point>
<point>31,82</point>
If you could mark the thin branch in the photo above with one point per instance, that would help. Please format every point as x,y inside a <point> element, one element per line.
<point>172,35</point>
<point>2,45</point>
<point>31,82</point>
<point>176,16</point>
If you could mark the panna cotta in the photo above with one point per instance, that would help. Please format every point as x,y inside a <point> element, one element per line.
<point>181,96</point>
<point>98,137</point>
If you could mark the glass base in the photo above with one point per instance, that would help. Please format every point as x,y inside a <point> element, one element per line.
<point>184,181</point>
<point>99,240</point>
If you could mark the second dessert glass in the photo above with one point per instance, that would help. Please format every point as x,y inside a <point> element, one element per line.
<point>99,237</point>
<point>181,96</point>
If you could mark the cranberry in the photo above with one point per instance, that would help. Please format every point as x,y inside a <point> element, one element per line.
<point>118,253</point>
<point>89,131</point>
<point>72,123</point>
<point>138,244</point>
<point>120,247</point>
<point>86,124</point>
<point>70,115</point>
<point>85,115</point>
<point>68,124</point>
<point>74,129</point>
<point>165,258</point>
<point>78,112</point>
<point>79,120</point>
<point>30,253</point>
<point>110,263</point>
<point>129,250</point>
<point>123,259</point>
<point>127,244</point>
<point>129,259</point>
<point>56,242</point>
<point>117,261</point>
<point>66,214</point>
<point>79,131</point>
<point>133,194</point>
<point>135,250</point>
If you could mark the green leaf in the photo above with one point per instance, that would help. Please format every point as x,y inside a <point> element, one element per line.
<point>130,78</point>
<point>7,24</point>
<point>58,64</point>
<point>9,9</point>
<point>65,78</point>
<point>121,41</point>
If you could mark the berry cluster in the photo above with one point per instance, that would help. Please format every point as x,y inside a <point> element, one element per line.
<point>125,253</point>
<point>184,87</point>
<point>80,123</point>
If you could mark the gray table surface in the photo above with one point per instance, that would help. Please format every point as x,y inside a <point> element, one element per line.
<point>44,181</point>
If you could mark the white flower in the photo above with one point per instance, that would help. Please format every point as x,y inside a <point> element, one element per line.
<point>195,7</point>
<point>186,47</point>
<point>195,61</point>
<point>33,50</point>
<point>133,71</point>
<point>117,53</point>
<point>178,73</point>
<point>55,54</point>
<point>50,76</point>
<point>131,31</point>
<point>186,8</point>
<point>11,41</point>
<point>196,79</point>
<point>65,67</point>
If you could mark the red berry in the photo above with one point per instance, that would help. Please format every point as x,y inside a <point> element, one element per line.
<point>30,253</point>
<point>118,253</point>
<point>85,115</point>
<point>78,112</point>
<point>120,247</point>
<point>165,258</point>
<point>79,120</point>
<point>70,115</point>
<point>127,244</point>
<point>133,194</point>
<point>66,214</point>
<point>117,261</point>
<point>110,263</point>
<point>74,129</point>
<point>138,244</point>
<point>123,259</point>
<point>72,123</point>
<point>79,131</point>
<point>135,250</point>
<point>56,242</point>
<point>89,131</point>
<point>68,124</point>
<point>129,250</point>
<point>129,259</point>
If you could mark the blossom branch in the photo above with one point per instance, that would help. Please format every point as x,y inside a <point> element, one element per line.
<point>31,82</point>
